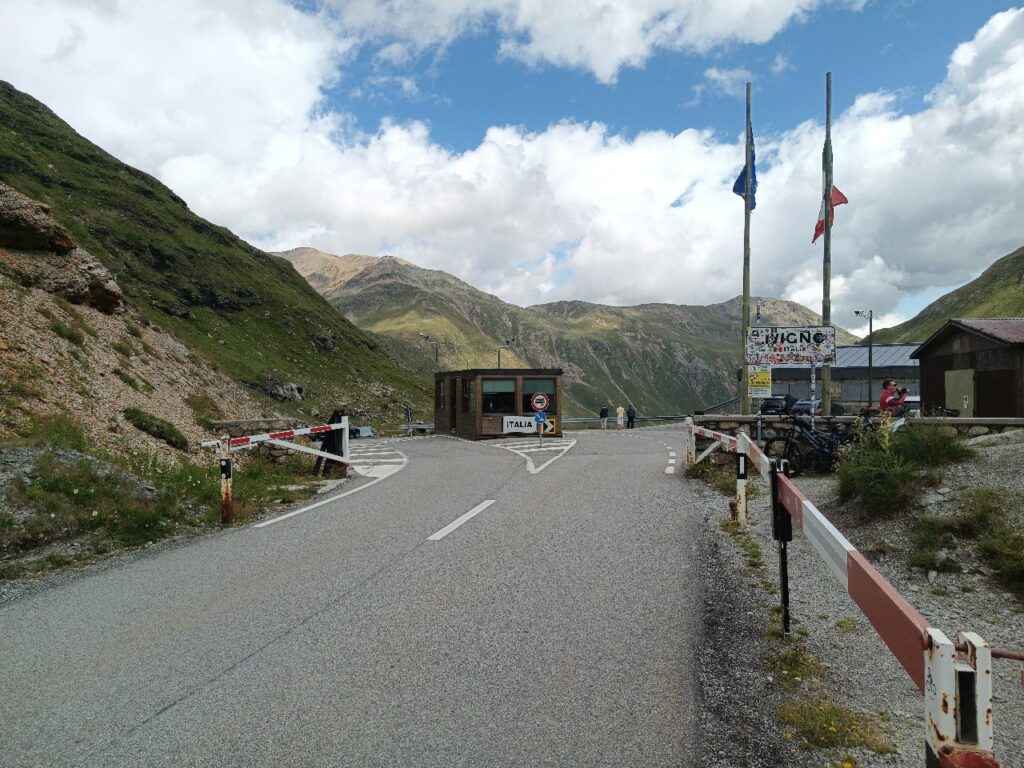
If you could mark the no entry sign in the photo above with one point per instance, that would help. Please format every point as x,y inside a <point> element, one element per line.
<point>539,401</point>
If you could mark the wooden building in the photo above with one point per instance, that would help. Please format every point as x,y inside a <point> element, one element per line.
<point>975,365</point>
<point>495,402</point>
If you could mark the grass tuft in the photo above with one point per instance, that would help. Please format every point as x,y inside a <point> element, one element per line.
<point>157,427</point>
<point>824,724</point>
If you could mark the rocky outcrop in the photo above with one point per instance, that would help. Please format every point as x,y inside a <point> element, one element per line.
<point>38,252</point>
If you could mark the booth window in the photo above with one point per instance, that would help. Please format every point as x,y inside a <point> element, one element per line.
<point>499,395</point>
<point>469,396</point>
<point>439,395</point>
<point>532,386</point>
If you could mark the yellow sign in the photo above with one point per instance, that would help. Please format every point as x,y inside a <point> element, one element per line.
<point>759,381</point>
<point>550,427</point>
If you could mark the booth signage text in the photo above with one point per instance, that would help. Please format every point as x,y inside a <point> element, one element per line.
<point>513,424</point>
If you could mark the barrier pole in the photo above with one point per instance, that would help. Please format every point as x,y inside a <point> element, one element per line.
<point>782,531</point>
<point>742,442</point>
<point>690,444</point>
<point>227,510</point>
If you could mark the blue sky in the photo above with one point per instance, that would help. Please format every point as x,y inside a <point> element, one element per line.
<point>464,88</point>
<point>565,150</point>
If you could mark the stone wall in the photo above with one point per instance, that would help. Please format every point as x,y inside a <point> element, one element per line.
<point>774,428</point>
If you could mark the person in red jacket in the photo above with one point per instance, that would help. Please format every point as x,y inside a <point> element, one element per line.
<point>892,398</point>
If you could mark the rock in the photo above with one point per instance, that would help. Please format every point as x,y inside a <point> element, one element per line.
<point>38,252</point>
<point>932,576</point>
<point>287,391</point>
<point>27,224</point>
<point>977,430</point>
<point>1010,437</point>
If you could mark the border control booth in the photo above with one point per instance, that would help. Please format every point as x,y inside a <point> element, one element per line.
<point>483,403</point>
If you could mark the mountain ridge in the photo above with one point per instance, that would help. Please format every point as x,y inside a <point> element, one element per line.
<point>663,357</point>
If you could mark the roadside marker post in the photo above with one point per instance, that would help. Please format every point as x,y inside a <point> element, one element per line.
<point>957,687</point>
<point>226,445</point>
<point>742,443</point>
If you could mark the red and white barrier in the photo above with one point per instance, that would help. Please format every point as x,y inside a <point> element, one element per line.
<point>957,688</point>
<point>226,445</point>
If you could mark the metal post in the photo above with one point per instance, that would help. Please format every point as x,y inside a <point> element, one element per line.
<point>826,270</point>
<point>227,509</point>
<point>871,317</point>
<point>499,358</point>
<point>782,531</point>
<point>745,313</point>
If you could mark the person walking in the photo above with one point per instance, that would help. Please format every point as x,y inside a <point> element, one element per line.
<point>620,416</point>
<point>604,417</point>
<point>631,417</point>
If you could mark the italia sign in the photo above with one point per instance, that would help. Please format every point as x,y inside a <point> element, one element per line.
<point>769,345</point>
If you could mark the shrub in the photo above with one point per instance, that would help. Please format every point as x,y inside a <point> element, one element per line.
<point>157,427</point>
<point>57,431</point>
<point>929,446</point>
<point>205,409</point>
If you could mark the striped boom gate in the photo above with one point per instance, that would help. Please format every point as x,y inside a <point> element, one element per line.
<point>957,687</point>
<point>227,445</point>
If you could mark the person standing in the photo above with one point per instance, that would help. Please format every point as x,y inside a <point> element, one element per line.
<point>604,417</point>
<point>892,398</point>
<point>630,417</point>
<point>620,416</point>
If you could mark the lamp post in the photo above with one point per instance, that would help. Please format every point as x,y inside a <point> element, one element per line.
<point>437,349</point>
<point>507,345</point>
<point>870,315</point>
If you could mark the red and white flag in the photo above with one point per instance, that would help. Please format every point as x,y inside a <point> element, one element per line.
<point>838,198</point>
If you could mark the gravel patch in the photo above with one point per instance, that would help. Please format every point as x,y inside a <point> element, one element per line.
<point>862,673</point>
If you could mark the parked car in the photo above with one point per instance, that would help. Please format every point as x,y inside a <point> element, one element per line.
<point>804,408</point>
<point>777,404</point>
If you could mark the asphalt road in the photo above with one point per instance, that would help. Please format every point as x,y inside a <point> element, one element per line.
<point>558,626</point>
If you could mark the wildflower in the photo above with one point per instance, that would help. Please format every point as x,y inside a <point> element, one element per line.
<point>75,491</point>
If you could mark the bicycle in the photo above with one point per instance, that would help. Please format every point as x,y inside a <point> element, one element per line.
<point>807,449</point>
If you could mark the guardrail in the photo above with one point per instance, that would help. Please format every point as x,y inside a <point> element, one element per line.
<point>957,686</point>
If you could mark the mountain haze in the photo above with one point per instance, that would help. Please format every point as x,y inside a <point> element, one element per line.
<point>996,292</point>
<point>664,358</point>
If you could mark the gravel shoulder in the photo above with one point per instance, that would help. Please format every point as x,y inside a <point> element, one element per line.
<point>861,673</point>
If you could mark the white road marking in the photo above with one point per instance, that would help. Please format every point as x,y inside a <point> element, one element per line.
<point>670,470</point>
<point>378,473</point>
<point>456,523</point>
<point>672,454</point>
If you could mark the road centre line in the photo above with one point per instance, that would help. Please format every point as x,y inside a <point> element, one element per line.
<point>456,523</point>
<point>670,470</point>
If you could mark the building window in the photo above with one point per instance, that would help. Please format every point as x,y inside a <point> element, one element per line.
<point>439,395</point>
<point>499,396</point>
<point>532,386</point>
<point>469,395</point>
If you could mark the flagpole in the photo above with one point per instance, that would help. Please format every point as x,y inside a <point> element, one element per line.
<point>826,272</point>
<point>745,321</point>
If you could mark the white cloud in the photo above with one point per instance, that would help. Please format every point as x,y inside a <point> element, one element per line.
<point>222,101</point>
<point>728,82</point>
<point>599,37</point>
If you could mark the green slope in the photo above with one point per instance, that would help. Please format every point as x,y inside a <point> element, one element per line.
<point>246,310</point>
<point>997,292</point>
<point>664,358</point>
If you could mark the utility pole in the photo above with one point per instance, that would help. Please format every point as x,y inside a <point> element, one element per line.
<point>870,315</point>
<point>507,345</point>
<point>437,349</point>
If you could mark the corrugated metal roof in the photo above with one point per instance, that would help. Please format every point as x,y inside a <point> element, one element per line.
<point>882,356</point>
<point>1008,329</point>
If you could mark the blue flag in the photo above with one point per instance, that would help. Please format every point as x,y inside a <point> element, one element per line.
<point>740,187</point>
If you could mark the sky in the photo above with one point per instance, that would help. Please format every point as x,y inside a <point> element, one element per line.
<point>566,149</point>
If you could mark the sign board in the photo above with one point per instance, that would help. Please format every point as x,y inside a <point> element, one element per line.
<point>518,424</point>
<point>539,401</point>
<point>771,345</point>
<point>540,417</point>
<point>759,381</point>
<point>550,427</point>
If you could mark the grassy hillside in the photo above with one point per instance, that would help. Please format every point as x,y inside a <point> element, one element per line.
<point>664,358</point>
<point>997,292</point>
<point>248,312</point>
